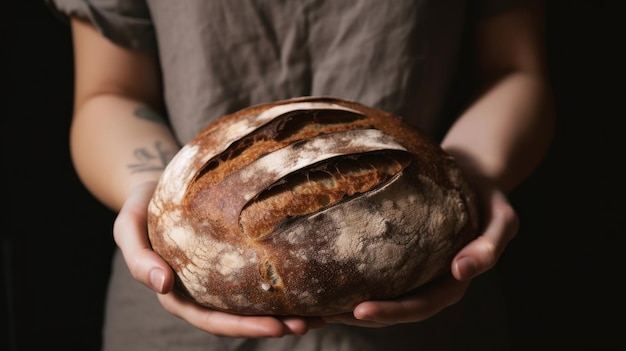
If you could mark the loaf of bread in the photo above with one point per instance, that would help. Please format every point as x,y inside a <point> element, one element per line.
<point>309,206</point>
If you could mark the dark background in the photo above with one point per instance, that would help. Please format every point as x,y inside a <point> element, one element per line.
<point>562,273</point>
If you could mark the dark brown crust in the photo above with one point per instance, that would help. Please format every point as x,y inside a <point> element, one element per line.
<point>289,249</point>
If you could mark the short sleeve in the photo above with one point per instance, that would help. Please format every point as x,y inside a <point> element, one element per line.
<point>124,22</point>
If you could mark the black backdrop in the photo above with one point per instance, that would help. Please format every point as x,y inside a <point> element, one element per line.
<point>562,273</point>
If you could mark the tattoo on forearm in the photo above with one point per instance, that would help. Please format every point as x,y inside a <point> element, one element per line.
<point>148,114</point>
<point>150,160</point>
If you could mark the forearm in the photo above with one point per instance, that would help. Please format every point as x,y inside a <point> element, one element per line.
<point>506,132</point>
<point>116,140</point>
<point>507,128</point>
<point>116,144</point>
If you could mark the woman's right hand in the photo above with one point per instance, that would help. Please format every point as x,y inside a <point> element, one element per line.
<point>146,266</point>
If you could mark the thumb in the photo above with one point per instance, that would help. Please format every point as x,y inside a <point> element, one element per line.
<point>131,236</point>
<point>482,254</point>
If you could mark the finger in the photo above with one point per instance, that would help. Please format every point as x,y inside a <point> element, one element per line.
<point>301,325</point>
<point>484,252</point>
<point>130,234</point>
<point>221,323</point>
<point>432,299</point>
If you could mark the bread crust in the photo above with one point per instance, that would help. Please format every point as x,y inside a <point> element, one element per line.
<point>309,206</point>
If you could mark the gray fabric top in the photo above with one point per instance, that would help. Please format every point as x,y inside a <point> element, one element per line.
<point>219,56</point>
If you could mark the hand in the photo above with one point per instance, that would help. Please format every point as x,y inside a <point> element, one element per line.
<point>146,266</point>
<point>500,226</point>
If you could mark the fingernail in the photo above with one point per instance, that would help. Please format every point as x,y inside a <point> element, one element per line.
<point>157,280</point>
<point>466,267</point>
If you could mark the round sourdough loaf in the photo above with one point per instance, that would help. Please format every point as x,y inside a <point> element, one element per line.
<point>309,206</point>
